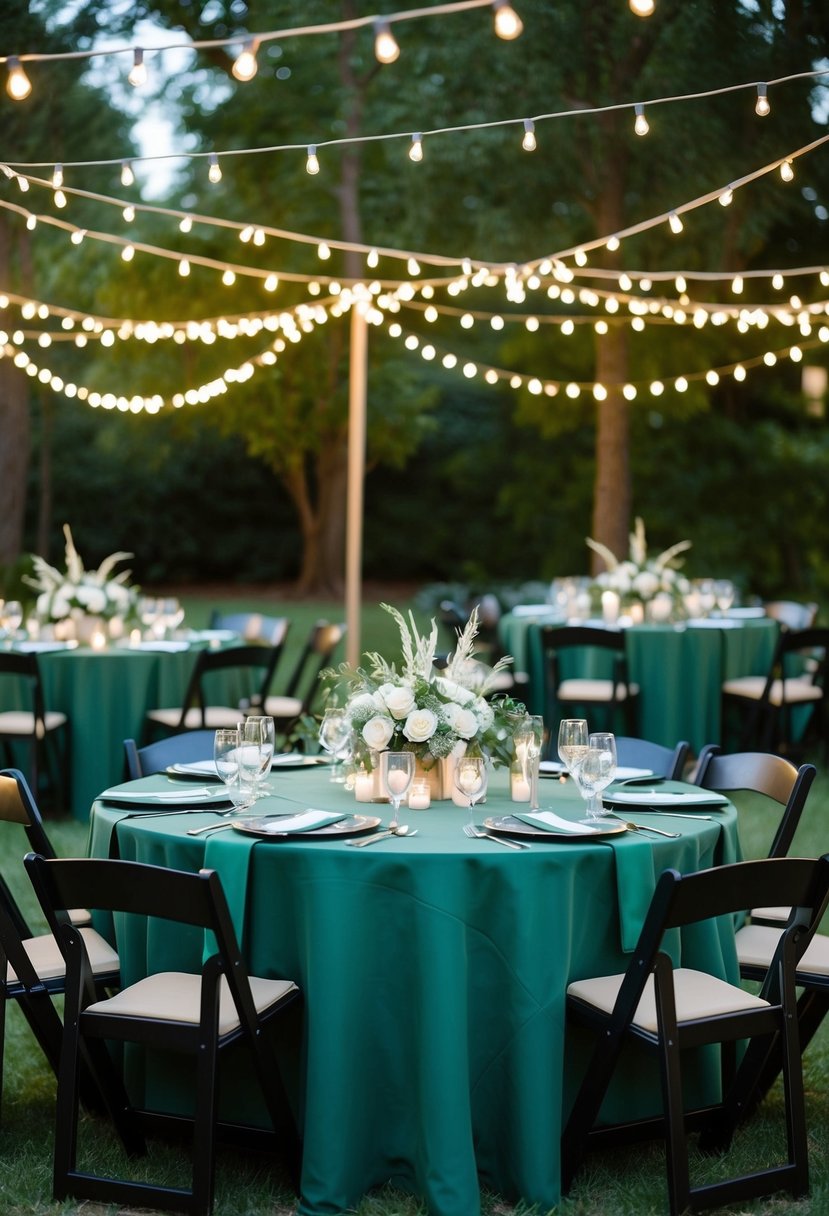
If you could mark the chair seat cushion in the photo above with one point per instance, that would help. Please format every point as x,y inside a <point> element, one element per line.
<point>175,996</point>
<point>47,959</point>
<point>283,707</point>
<point>216,717</point>
<point>770,914</point>
<point>21,722</point>
<point>698,995</point>
<point>796,690</point>
<point>756,945</point>
<point>594,690</point>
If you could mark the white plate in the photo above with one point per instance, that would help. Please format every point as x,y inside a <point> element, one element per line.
<point>664,798</point>
<point>166,797</point>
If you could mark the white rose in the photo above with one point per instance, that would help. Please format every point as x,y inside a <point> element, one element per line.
<point>364,700</point>
<point>93,599</point>
<point>466,724</point>
<point>118,594</point>
<point>420,725</point>
<point>377,732</point>
<point>646,584</point>
<point>61,606</point>
<point>450,712</point>
<point>485,713</point>
<point>453,690</point>
<point>399,701</point>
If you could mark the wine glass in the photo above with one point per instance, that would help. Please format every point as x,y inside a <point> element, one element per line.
<point>396,770</point>
<point>572,742</point>
<point>12,618</point>
<point>596,768</point>
<point>335,737</point>
<point>258,729</point>
<point>471,779</point>
<point>724,591</point>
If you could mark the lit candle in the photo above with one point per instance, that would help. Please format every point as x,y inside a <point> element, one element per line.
<point>519,786</point>
<point>98,639</point>
<point>610,607</point>
<point>420,798</point>
<point>135,637</point>
<point>365,786</point>
<point>33,628</point>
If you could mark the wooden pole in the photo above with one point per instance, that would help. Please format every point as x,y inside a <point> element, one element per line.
<point>358,365</point>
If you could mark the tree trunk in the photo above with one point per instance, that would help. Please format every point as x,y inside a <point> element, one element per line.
<point>611,491</point>
<point>15,432</point>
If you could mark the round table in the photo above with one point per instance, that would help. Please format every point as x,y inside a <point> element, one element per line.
<point>434,970</point>
<point>679,669</point>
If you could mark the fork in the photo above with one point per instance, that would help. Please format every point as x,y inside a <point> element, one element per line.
<point>476,833</point>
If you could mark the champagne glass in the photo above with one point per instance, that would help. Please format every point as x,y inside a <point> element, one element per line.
<point>471,779</point>
<point>397,770</point>
<point>258,729</point>
<point>596,769</point>
<point>335,737</point>
<point>572,742</point>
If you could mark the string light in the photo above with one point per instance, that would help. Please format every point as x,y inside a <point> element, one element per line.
<point>186,223</point>
<point>642,8</point>
<point>416,149</point>
<point>184,268</point>
<point>323,252</point>
<point>528,143</point>
<point>312,164</point>
<point>128,253</point>
<point>786,171</point>
<point>245,66</point>
<point>138,72</point>
<point>129,214</point>
<point>508,24</point>
<point>737,284</point>
<point>727,197</point>
<point>18,85</point>
<point>641,125</point>
<point>77,236</point>
<point>385,43</point>
<point>127,175</point>
<point>214,172</point>
<point>762,106</point>
<point>57,177</point>
<point>372,259</point>
<point>228,278</point>
<point>675,223</point>
<point>60,198</point>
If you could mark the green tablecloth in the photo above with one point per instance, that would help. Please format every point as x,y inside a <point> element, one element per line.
<point>679,670</point>
<point>434,971</point>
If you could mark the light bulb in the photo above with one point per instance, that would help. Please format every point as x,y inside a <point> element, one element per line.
<point>727,197</point>
<point>60,198</point>
<point>127,175</point>
<point>323,252</point>
<point>786,171</point>
<point>228,278</point>
<point>184,268</point>
<point>77,236</point>
<point>737,284</point>
<point>128,253</point>
<point>186,223</point>
<point>372,258</point>
<point>680,284</point>
<point>761,106</point>
<point>528,143</point>
<point>312,164</point>
<point>413,266</point>
<point>129,214</point>
<point>245,66</point>
<point>385,43</point>
<point>778,282</point>
<point>57,177</point>
<point>18,85</point>
<point>641,125</point>
<point>508,24</point>
<point>612,244</point>
<point>642,8</point>
<point>416,150</point>
<point>214,173</point>
<point>138,71</point>
<point>675,223</point>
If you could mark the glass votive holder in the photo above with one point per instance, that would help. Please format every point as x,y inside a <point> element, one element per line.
<point>519,786</point>
<point>366,784</point>
<point>420,798</point>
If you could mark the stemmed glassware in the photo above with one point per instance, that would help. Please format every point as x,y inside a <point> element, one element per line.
<point>11,618</point>
<point>572,742</point>
<point>227,758</point>
<point>595,768</point>
<point>257,733</point>
<point>471,779</point>
<point>335,737</point>
<point>396,770</point>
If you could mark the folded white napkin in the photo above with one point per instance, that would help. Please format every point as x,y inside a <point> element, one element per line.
<point>626,774</point>
<point>202,768</point>
<point>160,644</point>
<point>665,798</point>
<point>199,794</point>
<point>548,821</point>
<point>42,647</point>
<point>305,821</point>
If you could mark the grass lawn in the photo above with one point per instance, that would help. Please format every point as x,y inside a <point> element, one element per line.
<point>624,1183</point>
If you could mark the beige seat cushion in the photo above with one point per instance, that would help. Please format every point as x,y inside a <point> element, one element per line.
<point>47,959</point>
<point>175,996</point>
<point>283,707</point>
<point>697,994</point>
<point>756,945</point>
<point>593,690</point>
<point>797,691</point>
<point>770,913</point>
<point>216,717</point>
<point>20,722</point>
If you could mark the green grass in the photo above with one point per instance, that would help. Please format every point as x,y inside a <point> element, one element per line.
<point>629,1183</point>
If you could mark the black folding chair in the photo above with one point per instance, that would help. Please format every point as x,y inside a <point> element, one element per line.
<point>298,695</point>
<point>43,732</point>
<point>253,626</point>
<point>256,665</point>
<point>668,1009</point>
<point>200,1015</point>
<point>613,694</point>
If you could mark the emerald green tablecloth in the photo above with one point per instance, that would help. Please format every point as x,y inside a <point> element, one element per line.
<point>434,971</point>
<point>679,670</point>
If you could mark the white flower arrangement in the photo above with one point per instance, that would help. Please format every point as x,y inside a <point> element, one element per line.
<point>432,713</point>
<point>639,577</point>
<point>78,592</point>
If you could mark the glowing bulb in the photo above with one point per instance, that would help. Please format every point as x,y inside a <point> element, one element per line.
<point>777,282</point>
<point>228,278</point>
<point>323,252</point>
<point>580,257</point>
<point>739,372</point>
<point>186,223</point>
<point>641,125</point>
<point>413,266</point>
<point>613,244</point>
<point>786,171</point>
<point>416,150</point>
<point>214,173</point>
<point>528,143</point>
<point>60,198</point>
<point>129,214</point>
<point>128,253</point>
<point>18,85</point>
<point>184,268</point>
<point>680,284</point>
<point>761,106</point>
<point>127,175</point>
<point>737,284</point>
<point>508,24</point>
<point>727,197</point>
<point>138,71</point>
<point>712,377</point>
<point>312,164</point>
<point>675,223</point>
<point>642,8</point>
<point>385,43</point>
<point>57,177</point>
<point>245,66</point>
<point>31,222</point>
<point>77,236</point>
<point>372,258</point>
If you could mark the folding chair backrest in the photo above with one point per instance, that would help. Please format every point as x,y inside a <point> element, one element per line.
<point>262,659</point>
<point>790,614</point>
<point>668,762</point>
<point>17,805</point>
<point>184,748</point>
<point>25,669</point>
<point>253,626</point>
<point>316,654</point>
<point>761,773</point>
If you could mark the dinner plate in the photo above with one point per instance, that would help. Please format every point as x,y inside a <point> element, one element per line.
<point>676,801</point>
<point>196,770</point>
<point>354,825</point>
<point>298,760</point>
<point>508,825</point>
<point>123,795</point>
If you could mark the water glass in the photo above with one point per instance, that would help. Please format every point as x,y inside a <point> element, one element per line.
<point>335,737</point>
<point>257,731</point>
<point>595,769</point>
<point>226,756</point>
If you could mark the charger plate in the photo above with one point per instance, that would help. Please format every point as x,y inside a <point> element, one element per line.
<point>354,825</point>
<point>508,825</point>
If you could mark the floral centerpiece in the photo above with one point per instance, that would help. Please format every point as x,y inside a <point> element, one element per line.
<point>639,578</point>
<point>76,594</point>
<point>434,713</point>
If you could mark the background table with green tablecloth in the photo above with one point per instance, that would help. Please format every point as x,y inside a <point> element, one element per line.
<point>434,971</point>
<point>679,669</point>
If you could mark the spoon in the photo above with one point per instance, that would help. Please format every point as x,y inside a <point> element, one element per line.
<point>645,827</point>
<point>402,829</point>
